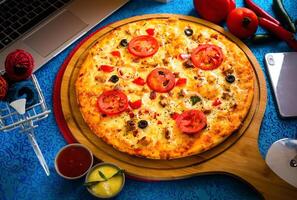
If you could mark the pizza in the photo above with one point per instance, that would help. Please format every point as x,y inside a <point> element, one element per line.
<point>164,88</point>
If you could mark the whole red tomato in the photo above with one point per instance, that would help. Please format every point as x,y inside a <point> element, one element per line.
<point>242,22</point>
<point>214,10</point>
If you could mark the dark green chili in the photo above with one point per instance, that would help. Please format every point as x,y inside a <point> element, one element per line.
<point>262,38</point>
<point>280,10</point>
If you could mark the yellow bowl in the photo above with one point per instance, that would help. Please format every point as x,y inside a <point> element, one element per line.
<point>105,189</point>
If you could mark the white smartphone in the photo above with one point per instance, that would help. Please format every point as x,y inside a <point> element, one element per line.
<point>282,70</point>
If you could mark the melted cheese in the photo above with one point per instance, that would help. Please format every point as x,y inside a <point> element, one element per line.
<point>162,134</point>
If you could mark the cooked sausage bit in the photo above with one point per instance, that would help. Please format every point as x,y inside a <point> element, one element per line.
<point>181,93</point>
<point>153,95</point>
<point>227,70</point>
<point>226,95</point>
<point>130,125</point>
<point>167,133</point>
<point>176,74</point>
<point>135,133</point>
<point>188,64</point>
<point>206,111</point>
<point>163,102</point>
<point>165,61</point>
<point>117,87</point>
<point>144,141</point>
<point>99,79</point>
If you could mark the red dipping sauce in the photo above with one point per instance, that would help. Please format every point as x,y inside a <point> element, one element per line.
<point>73,161</point>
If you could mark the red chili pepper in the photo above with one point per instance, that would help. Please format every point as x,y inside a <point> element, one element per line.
<point>116,53</point>
<point>174,115</point>
<point>150,31</point>
<point>260,12</point>
<point>181,82</point>
<point>135,104</point>
<point>106,68</point>
<point>279,31</point>
<point>216,102</point>
<point>184,56</point>
<point>139,81</point>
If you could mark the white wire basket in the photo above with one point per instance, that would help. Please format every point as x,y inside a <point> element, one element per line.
<point>10,120</point>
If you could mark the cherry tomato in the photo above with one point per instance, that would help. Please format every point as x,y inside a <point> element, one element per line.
<point>106,68</point>
<point>143,46</point>
<point>116,53</point>
<point>214,10</point>
<point>135,104</point>
<point>150,31</point>
<point>139,81</point>
<point>181,82</point>
<point>161,80</point>
<point>207,56</point>
<point>242,22</point>
<point>191,121</point>
<point>112,102</point>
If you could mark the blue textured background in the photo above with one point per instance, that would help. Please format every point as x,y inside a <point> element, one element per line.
<point>21,176</point>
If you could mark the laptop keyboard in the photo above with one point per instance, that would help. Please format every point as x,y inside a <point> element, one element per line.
<point>18,16</point>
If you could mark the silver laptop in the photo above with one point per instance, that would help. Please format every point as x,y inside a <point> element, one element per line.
<point>46,27</point>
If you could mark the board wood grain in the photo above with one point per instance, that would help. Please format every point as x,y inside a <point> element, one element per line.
<point>238,155</point>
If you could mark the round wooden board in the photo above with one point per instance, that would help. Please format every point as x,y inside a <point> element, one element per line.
<point>238,155</point>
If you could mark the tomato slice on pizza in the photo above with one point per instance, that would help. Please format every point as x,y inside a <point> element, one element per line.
<point>161,80</point>
<point>207,57</point>
<point>191,121</point>
<point>143,46</point>
<point>112,102</point>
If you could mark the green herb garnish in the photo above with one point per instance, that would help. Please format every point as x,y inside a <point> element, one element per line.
<point>195,99</point>
<point>92,183</point>
<point>119,172</point>
<point>102,175</point>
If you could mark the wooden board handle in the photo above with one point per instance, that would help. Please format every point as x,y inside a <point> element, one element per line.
<point>242,159</point>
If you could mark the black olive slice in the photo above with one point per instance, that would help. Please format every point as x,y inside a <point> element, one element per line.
<point>230,78</point>
<point>142,124</point>
<point>124,42</point>
<point>114,78</point>
<point>188,32</point>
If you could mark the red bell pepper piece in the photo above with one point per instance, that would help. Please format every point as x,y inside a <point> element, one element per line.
<point>139,81</point>
<point>106,68</point>
<point>216,102</point>
<point>181,82</point>
<point>135,104</point>
<point>150,31</point>
<point>116,53</point>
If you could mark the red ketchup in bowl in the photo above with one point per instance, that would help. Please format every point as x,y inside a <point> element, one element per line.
<point>73,161</point>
